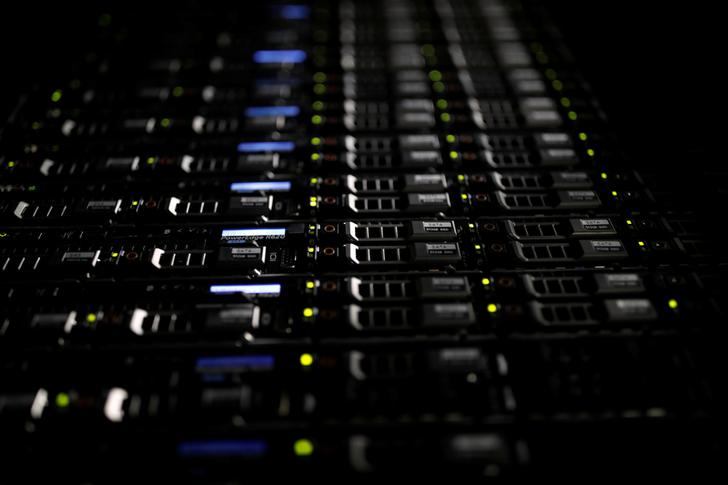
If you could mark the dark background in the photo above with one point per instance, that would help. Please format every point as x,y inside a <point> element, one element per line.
<point>653,66</point>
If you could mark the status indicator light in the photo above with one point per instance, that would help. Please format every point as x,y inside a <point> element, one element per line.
<point>492,308</point>
<point>253,289</point>
<point>303,447</point>
<point>672,304</point>
<point>263,111</point>
<point>63,400</point>
<point>266,146</point>
<point>308,312</point>
<point>279,56</point>
<point>268,186</point>
<point>306,360</point>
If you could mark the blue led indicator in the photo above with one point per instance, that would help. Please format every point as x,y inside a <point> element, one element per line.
<point>250,448</point>
<point>271,186</point>
<point>257,289</point>
<point>261,111</point>
<point>266,146</point>
<point>274,81</point>
<point>237,362</point>
<point>294,12</point>
<point>279,57</point>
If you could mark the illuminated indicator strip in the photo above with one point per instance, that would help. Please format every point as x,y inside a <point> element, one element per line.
<point>261,111</point>
<point>269,289</point>
<point>294,12</point>
<point>279,57</point>
<point>236,362</point>
<point>266,146</point>
<point>239,233</point>
<point>223,448</point>
<point>273,186</point>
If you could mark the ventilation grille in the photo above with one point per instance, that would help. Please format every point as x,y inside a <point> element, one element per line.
<point>373,290</point>
<point>535,230</point>
<point>377,255</point>
<point>392,318</point>
<point>555,286</point>
<point>520,182</point>
<point>369,161</point>
<point>565,313</point>
<point>554,253</point>
<point>509,159</point>
<point>197,207</point>
<point>375,184</point>
<point>524,201</point>
<point>376,231</point>
<point>376,205</point>
<point>366,123</point>
<point>179,259</point>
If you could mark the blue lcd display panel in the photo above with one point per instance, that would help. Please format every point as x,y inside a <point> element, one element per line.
<point>251,448</point>
<point>267,186</point>
<point>266,146</point>
<point>294,56</point>
<point>254,289</point>
<point>235,363</point>
<point>263,111</point>
<point>255,233</point>
<point>294,12</point>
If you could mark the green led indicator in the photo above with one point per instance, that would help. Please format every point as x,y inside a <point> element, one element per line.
<point>441,104</point>
<point>319,77</point>
<point>319,88</point>
<point>303,447</point>
<point>557,85</point>
<point>582,136</point>
<point>450,138</point>
<point>445,117</point>
<point>438,87</point>
<point>56,96</point>
<point>318,105</point>
<point>550,74</point>
<point>62,400</point>
<point>317,119</point>
<point>178,91</point>
<point>427,50</point>
<point>315,141</point>
<point>165,122</point>
<point>565,102</point>
<point>572,115</point>
<point>435,76</point>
